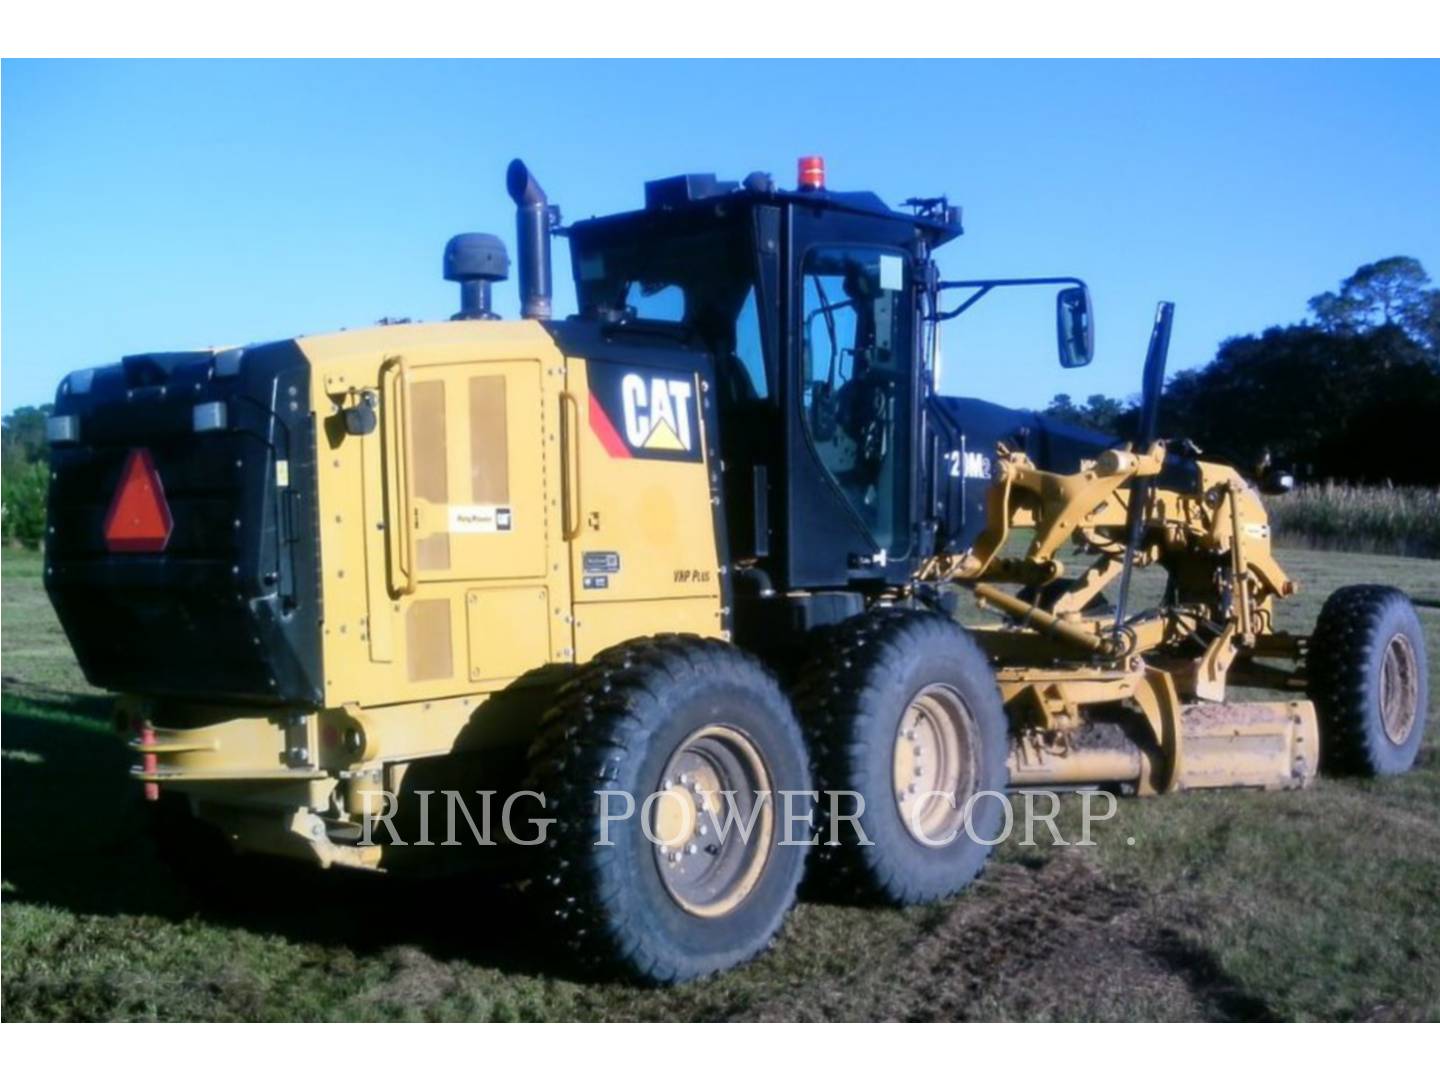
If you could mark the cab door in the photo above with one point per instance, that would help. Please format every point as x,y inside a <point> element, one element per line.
<point>850,414</point>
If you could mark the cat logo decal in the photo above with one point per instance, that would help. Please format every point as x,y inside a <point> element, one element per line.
<point>644,413</point>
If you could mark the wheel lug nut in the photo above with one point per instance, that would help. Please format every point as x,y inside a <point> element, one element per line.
<point>691,850</point>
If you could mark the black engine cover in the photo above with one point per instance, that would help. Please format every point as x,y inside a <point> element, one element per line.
<point>962,436</point>
<point>229,610</point>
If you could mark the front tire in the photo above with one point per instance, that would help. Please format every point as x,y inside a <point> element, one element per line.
<point>904,711</point>
<point>1368,679</point>
<point>683,719</point>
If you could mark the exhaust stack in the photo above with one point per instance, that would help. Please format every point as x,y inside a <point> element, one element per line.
<point>532,223</point>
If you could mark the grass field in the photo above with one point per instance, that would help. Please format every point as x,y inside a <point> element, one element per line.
<point>1323,904</point>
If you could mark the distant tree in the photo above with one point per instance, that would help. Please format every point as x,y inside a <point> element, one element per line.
<point>1105,413</point>
<point>24,475</point>
<point>1353,395</point>
<point>1062,407</point>
<point>1099,412</point>
<point>1390,292</point>
<point>1362,406</point>
<point>22,515</point>
<point>23,432</point>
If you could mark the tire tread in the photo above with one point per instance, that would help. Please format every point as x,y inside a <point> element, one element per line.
<point>833,696</point>
<point>589,729</point>
<point>1339,664</point>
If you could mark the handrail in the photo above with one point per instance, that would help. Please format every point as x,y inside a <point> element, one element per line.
<point>399,542</point>
<point>569,475</point>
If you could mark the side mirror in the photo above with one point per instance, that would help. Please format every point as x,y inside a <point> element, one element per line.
<point>1075,328</point>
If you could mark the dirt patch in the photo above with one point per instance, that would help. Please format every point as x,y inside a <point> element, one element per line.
<point>1049,940</point>
<point>414,982</point>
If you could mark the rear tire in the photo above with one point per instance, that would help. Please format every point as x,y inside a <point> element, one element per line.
<point>690,717</point>
<point>894,681</point>
<point>1368,680</point>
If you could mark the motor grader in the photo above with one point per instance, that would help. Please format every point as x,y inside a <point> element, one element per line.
<point>697,546</point>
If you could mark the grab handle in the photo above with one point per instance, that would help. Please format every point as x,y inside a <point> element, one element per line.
<point>570,467</point>
<point>400,526</point>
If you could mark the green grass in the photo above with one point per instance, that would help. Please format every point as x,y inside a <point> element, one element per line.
<point>1318,904</point>
<point>1345,517</point>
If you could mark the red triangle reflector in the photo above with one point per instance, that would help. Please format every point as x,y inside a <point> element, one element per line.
<point>139,517</point>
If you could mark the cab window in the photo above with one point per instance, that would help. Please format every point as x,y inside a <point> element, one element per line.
<point>749,350</point>
<point>661,302</point>
<point>857,338</point>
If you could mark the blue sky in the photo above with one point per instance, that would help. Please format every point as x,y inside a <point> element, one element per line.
<point>165,205</point>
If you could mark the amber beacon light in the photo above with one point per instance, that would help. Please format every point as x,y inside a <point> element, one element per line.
<point>812,173</point>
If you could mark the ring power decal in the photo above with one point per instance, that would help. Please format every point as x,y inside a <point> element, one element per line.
<point>480,519</point>
<point>598,566</point>
<point>644,412</point>
<point>601,562</point>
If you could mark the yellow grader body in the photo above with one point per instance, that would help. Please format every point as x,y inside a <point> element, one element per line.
<point>427,622</point>
<point>688,555</point>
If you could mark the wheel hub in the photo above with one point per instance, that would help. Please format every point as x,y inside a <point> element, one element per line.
<point>706,864</point>
<point>934,768</point>
<point>1399,689</point>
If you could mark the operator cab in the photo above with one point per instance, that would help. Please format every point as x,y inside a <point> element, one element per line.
<point>808,301</point>
<point>817,310</point>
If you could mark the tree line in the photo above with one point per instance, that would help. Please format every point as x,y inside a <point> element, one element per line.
<point>1352,394</point>
<point>24,475</point>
